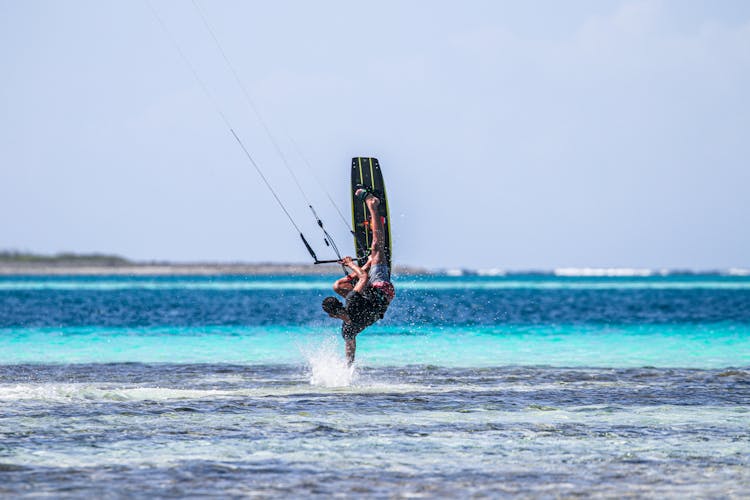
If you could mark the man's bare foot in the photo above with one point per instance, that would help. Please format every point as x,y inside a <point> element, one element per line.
<point>373,202</point>
<point>370,199</point>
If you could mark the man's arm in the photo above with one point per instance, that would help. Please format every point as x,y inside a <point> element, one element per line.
<point>344,285</point>
<point>351,346</point>
<point>368,264</point>
<point>361,274</point>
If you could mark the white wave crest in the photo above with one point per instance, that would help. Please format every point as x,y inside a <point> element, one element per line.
<point>69,392</point>
<point>598,271</point>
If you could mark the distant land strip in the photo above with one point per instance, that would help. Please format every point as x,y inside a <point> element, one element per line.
<point>14,263</point>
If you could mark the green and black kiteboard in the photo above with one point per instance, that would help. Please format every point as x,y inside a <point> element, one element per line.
<point>366,172</point>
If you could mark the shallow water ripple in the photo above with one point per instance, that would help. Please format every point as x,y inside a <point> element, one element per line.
<point>175,430</point>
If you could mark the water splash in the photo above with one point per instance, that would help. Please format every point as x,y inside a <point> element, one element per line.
<point>327,365</point>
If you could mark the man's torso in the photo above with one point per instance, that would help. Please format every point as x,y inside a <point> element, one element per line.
<point>363,310</point>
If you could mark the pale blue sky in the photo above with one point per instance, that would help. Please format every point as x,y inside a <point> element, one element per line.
<point>512,134</point>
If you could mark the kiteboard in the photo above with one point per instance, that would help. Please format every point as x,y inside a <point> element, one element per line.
<point>366,172</point>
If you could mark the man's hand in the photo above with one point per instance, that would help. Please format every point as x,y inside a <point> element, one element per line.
<point>347,261</point>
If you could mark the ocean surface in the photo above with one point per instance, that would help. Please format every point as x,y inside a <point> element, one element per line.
<point>539,386</point>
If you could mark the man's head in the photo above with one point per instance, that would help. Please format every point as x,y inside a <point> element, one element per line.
<point>333,306</point>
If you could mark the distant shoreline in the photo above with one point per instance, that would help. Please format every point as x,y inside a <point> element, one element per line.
<point>174,269</point>
<point>13,263</point>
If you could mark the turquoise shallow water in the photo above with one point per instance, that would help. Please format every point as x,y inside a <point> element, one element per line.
<point>672,346</point>
<point>679,321</point>
<point>537,386</point>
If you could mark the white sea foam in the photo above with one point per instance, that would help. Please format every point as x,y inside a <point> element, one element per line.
<point>603,271</point>
<point>327,365</point>
<point>495,271</point>
<point>67,392</point>
<point>455,272</point>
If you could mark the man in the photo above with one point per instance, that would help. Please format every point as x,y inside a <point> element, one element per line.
<point>368,289</point>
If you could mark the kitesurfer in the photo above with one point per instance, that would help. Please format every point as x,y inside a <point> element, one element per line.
<point>368,289</point>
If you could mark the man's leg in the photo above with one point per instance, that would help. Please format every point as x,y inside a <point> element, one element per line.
<point>377,248</point>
